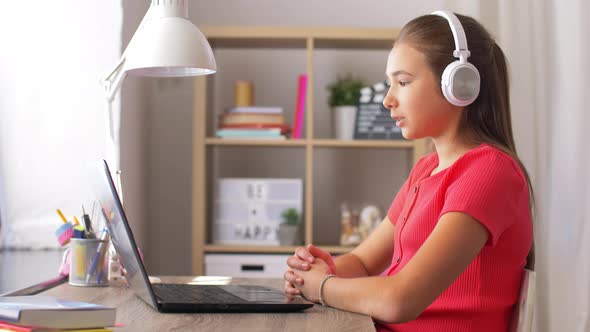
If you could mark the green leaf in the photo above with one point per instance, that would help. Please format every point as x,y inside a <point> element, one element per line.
<point>290,216</point>
<point>345,91</point>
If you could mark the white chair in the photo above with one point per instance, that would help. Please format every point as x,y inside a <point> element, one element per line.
<point>524,309</point>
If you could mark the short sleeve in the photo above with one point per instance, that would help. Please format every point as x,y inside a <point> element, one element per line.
<point>491,189</point>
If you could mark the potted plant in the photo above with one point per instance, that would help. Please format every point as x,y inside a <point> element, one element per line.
<point>289,229</point>
<point>344,97</point>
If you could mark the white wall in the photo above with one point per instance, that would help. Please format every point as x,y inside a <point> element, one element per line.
<point>135,101</point>
<point>52,110</point>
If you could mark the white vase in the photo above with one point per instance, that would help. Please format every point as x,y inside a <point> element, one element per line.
<point>343,120</point>
<point>289,235</point>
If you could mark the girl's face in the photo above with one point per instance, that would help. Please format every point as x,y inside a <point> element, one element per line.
<point>414,97</point>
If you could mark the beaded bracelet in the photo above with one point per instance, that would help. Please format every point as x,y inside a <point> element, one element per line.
<point>322,288</point>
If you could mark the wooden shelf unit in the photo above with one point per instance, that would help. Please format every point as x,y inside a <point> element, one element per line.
<point>309,40</point>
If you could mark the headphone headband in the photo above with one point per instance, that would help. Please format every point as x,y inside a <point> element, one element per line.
<point>461,49</point>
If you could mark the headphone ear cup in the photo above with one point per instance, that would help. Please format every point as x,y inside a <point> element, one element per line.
<point>460,83</point>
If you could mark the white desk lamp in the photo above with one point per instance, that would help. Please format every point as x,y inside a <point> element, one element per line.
<point>166,44</point>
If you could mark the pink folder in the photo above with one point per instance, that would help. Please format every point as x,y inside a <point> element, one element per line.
<point>300,110</point>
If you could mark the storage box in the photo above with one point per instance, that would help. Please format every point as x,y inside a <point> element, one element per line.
<point>248,210</point>
<point>249,266</point>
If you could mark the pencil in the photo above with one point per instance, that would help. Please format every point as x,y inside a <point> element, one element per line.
<point>76,220</point>
<point>104,235</point>
<point>62,216</point>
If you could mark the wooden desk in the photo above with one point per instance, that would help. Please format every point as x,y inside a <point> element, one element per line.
<point>138,316</point>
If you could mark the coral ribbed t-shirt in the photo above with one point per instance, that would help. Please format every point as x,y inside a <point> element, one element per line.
<point>488,185</point>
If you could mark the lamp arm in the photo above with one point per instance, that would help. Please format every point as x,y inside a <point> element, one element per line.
<point>112,82</point>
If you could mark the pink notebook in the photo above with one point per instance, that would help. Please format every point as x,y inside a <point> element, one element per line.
<point>300,108</point>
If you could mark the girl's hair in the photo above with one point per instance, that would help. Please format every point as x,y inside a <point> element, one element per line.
<point>487,119</point>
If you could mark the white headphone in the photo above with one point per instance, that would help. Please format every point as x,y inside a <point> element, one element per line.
<point>460,80</point>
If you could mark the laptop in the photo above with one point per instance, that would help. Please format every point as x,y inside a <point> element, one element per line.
<point>179,297</point>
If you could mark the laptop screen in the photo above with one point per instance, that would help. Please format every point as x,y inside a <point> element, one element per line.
<point>120,233</point>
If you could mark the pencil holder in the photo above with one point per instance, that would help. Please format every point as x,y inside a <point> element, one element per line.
<point>88,262</point>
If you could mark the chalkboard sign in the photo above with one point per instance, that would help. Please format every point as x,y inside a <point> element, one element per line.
<point>372,118</point>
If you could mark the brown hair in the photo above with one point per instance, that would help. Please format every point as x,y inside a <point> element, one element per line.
<point>487,119</point>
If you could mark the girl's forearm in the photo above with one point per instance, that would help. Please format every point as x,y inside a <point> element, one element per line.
<point>373,296</point>
<point>350,266</point>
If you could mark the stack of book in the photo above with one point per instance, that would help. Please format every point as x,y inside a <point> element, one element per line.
<point>44,314</point>
<point>253,122</point>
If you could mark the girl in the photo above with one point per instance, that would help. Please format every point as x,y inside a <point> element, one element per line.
<point>450,254</point>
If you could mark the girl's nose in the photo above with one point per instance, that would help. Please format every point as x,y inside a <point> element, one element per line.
<point>389,101</point>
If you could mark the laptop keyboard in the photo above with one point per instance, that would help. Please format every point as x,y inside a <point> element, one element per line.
<point>182,293</point>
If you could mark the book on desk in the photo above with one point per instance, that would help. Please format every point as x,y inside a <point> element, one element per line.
<point>50,313</point>
<point>6,327</point>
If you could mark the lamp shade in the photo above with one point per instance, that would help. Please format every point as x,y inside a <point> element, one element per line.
<point>169,47</point>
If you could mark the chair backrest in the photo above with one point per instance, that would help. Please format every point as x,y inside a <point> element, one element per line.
<point>524,309</point>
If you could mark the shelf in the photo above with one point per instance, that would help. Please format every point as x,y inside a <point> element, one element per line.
<point>336,249</point>
<point>285,33</point>
<point>402,144</point>
<point>363,143</point>
<point>296,37</point>
<point>243,249</point>
<point>255,142</point>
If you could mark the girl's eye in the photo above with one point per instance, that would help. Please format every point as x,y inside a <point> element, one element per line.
<point>403,83</point>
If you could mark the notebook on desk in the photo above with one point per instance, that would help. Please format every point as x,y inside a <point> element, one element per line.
<point>179,297</point>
